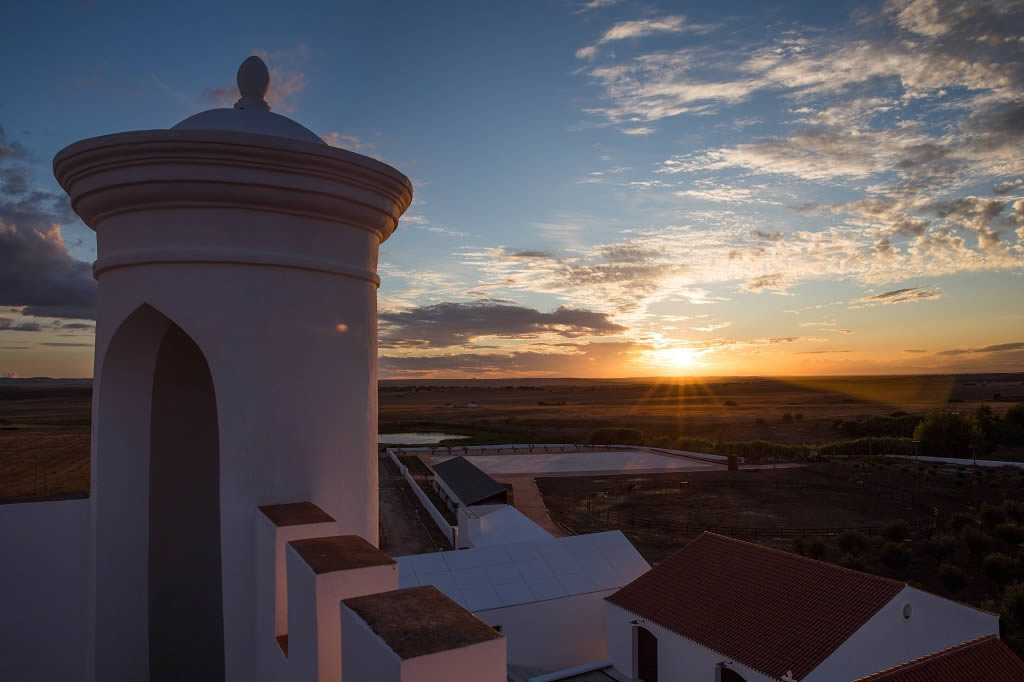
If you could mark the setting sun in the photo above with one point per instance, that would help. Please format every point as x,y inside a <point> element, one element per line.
<point>678,358</point>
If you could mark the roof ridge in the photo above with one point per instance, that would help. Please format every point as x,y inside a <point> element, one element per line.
<point>928,658</point>
<point>792,556</point>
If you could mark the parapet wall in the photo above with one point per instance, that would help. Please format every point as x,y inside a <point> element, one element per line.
<point>44,574</point>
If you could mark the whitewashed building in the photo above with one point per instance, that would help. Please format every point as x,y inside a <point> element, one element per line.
<point>546,596</point>
<point>724,610</point>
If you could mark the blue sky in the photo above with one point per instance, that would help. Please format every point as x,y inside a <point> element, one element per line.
<point>604,188</point>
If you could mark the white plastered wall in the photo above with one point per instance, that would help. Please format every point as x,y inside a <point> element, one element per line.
<point>44,579</point>
<point>679,659</point>
<point>296,405</point>
<point>888,639</point>
<point>554,634</point>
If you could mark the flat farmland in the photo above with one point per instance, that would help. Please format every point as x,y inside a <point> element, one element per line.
<point>840,495</point>
<point>44,440</point>
<point>45,424</point>
<point>561,410</point>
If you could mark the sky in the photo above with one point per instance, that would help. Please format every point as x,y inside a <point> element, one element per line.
<point>603,188</point>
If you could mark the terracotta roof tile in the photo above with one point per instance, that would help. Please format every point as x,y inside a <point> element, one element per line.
<point>985,658</point>
<point>770,610</point>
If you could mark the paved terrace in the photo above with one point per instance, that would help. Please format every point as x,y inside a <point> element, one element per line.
<point>621,461</point>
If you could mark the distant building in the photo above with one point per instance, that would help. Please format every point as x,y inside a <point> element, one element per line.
<point>462,484</point>
<point>732,611</point>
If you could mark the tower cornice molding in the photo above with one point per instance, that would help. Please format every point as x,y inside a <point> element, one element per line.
<point>169,169</point>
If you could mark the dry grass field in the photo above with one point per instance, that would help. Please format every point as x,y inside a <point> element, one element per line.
<point>44,424</point>
<point>44,439</point>
<point>728,408</point>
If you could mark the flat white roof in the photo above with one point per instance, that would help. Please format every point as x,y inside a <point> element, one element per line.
<point>620,460</point>
<point>503,524</point>
<point>493,577</point>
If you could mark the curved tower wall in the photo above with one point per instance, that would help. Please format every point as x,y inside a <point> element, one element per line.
<point>263,251</point>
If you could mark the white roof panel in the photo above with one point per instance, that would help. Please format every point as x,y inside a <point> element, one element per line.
<point>489,577</point>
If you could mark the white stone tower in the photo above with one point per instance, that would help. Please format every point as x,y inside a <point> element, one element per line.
<point>236,356</point>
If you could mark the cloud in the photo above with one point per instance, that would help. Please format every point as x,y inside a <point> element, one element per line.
<point>11,149</point>
<point>353,142</point>
<point>998,348</point>
<point>13,181</point>
<point>1007,187</point>
<point>450,324</point>
<point>637,28</point>
<point>37,274</point>
<point>640,130</point>
<point>286,80</point>
<point>827,327</point>
<point>712,327</point>
<point>595,4</point>
<point>776,281</point>
<point>68,345</point>
<point>909,295</point>
<point>7,324</point>
<point>566,360</point>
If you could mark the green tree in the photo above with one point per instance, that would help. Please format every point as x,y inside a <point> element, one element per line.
<point>948,434</point>
<point>1015,415</point>
<point>986,420</point>
<point>896,531</point>
<point>895,556</point>
<point>952,577</point>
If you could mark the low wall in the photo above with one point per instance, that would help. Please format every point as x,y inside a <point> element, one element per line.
<point>449,531</point>
<point>44,591</point>
<point>961,462</point>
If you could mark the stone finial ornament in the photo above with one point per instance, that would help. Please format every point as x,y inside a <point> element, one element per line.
<point>253,83</point>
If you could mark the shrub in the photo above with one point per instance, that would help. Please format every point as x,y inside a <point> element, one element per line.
<point>662,440</point>
<point>759,421</point>
<point>799,416</point>
<point>895,556</point>
<point>896,531</point>
<point>977,541</point>
<point>730,403</point>
<point>1013,602</point>
<point>953,578</point>
<point>998,567</point>
<point>809,547</point>
<point>788,417</point>
<point>958,520</point>
<point>853,542</point>
<point>947,434</point>
<point>615,435</point>
<point>1013,509</point>
<point>852,562</point>
<point>941,547</point>
<point>991,516</point>
<point>1010,533</point>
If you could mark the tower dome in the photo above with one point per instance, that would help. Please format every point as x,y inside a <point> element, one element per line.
<point>251,113</point>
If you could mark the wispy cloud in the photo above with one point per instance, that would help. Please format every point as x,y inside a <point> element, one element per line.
<point>909,295</point>
<point>636,28</point>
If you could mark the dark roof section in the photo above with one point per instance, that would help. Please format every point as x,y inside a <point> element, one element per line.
<point>295,514</point>
<point>339,553</point>
<point>418,621</point>
<point>468,482</point>
<point>770,610</point>
<point>985,658</point>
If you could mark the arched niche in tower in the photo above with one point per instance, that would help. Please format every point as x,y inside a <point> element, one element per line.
<point>156,396</point>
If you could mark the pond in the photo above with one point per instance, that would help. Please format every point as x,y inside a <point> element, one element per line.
<point>416,438</point>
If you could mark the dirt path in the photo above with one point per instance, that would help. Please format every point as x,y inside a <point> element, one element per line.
<point>405,525</point>
<point>529,501</point>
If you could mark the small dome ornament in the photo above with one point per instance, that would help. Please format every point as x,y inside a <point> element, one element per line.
<point>253,83</point>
